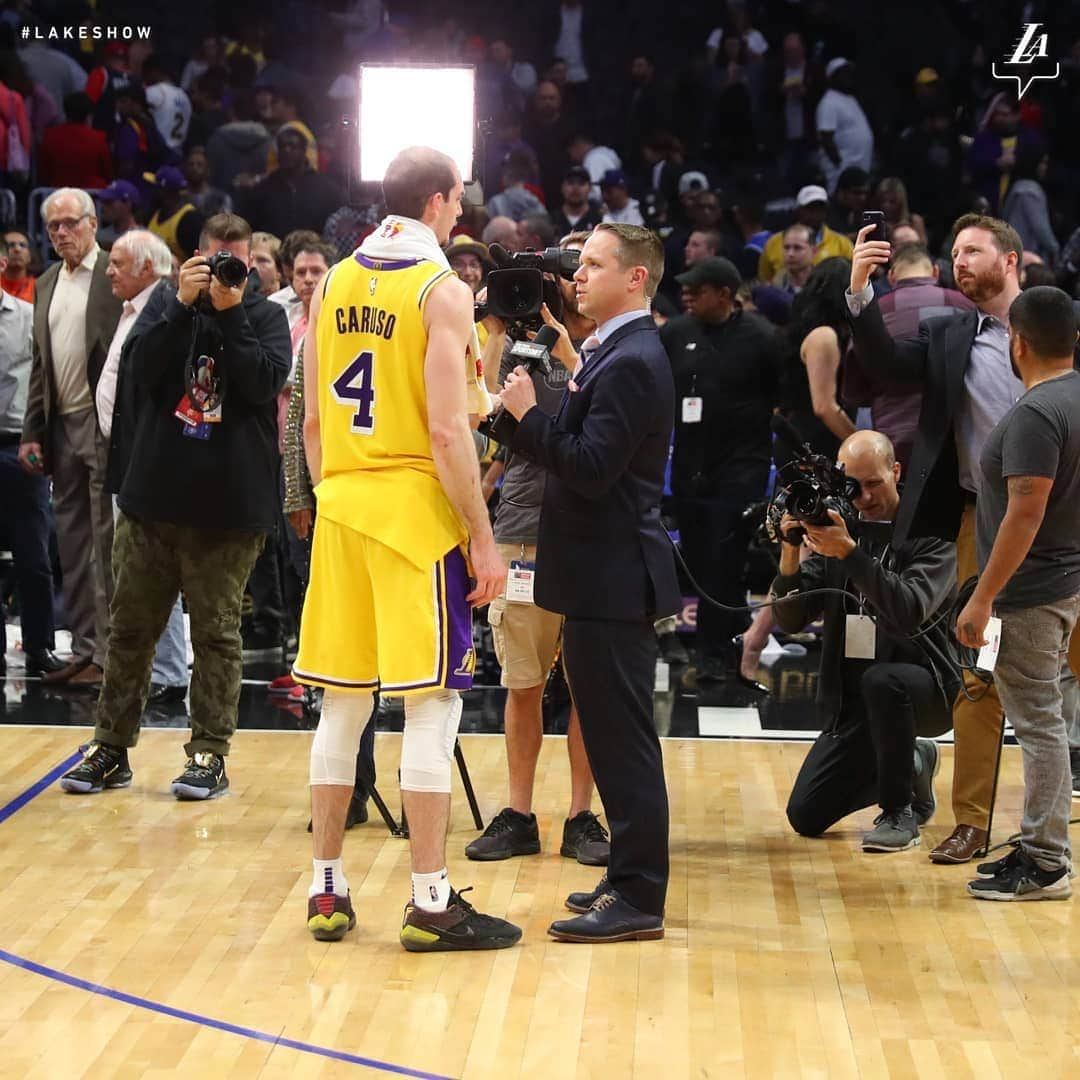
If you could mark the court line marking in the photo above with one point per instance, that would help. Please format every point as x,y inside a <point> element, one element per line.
<point>21,800</point>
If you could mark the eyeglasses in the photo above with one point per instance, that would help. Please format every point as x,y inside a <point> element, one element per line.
<point>53,227</point>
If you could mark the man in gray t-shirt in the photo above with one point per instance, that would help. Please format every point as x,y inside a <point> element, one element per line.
<point>1028,539</point>
<point>527,637</point>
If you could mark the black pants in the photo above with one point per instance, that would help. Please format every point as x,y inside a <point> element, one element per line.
<point>870,757</point>
<point>27,517</point>
<point>714,544</point>
<point>611,668</point>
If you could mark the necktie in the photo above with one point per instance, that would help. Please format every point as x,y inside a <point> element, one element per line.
<point>588,347</point>
<point>129,308</point>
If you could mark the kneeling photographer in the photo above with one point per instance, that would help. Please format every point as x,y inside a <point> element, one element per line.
<point>199,378</point>
<point>886,671</point>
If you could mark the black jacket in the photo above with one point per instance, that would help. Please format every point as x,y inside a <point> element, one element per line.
<point>229,481</point>
<point>602,550</point>
<point>279,205</point>
<point>932,503</point>
<point>735,368</point>
<point>916,584</point>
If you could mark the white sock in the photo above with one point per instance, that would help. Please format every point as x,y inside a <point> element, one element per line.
<point>431,892</point>
<point>328,876</point>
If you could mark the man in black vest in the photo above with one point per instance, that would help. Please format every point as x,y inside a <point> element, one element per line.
<point>604,561</point>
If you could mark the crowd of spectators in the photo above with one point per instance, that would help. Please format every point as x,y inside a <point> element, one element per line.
<point>756,131</point>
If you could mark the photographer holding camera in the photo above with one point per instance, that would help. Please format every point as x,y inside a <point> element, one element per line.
<point>878,687</point>
<point>204,367</point>
<point>526,637</point>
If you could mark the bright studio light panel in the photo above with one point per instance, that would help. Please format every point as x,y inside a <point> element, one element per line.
<point>404,105</point>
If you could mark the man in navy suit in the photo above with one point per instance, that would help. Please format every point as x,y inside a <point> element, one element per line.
<point>605,562</point>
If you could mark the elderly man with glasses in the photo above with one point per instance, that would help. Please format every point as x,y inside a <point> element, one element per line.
<point>75,315</point>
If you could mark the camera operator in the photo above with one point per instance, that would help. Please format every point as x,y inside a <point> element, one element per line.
<point>726,364</point>
<point>877,688</point>
<point>527,637</point>
<point>199,496</point>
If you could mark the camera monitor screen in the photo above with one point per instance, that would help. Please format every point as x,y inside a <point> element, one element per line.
<point>415,105</point>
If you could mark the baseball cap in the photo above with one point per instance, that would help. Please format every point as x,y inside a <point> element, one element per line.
<point>712,271</point>
<point>692,181</point>
<point>614,178</point>
<point>120,191</point>
<point>834,65</point>
<point>812,193</point>
<point>168,177</point>
<point>926,75</point>
<point>579,172</point>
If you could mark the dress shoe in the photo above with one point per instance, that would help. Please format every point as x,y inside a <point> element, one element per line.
<point>66,673</point>
<point>160,694</point>
<point>747,681</point>
<point>960,846</point>
<point>610,918</point>
<point>582,902</point>
<point>43,662</point>
<point>89,678</point>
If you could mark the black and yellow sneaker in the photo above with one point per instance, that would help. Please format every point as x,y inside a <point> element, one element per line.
<point>203,777</point>
<point>329,916</point>
<point>103,766</point>
<point>457,929</point>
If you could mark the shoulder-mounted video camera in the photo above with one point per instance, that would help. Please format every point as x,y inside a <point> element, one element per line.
<point>808,487</point>
<point>516,289</point>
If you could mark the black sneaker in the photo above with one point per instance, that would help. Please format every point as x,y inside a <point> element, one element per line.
<point>102,766</point>
<point>585,839</point>
<point>457,929</point>
<point>999,866</point>
<point>927,763</point>
<point>1022,879</point>
<point>203,777</point>
<point>329,916</point>
<point>583,901</point>
<point>508,834</point>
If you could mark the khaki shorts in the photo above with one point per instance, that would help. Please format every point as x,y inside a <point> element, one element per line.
<point>526,637</point>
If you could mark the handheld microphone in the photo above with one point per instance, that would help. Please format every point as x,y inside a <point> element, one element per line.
<point>533,356</point>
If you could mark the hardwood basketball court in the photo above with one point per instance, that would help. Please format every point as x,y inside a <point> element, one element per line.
<point>147,938</point>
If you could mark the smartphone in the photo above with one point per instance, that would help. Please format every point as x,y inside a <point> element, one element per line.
<point>877,219</point>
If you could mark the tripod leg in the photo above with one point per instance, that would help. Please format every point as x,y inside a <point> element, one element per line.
<point>463,769</point>
<point>993,791</point>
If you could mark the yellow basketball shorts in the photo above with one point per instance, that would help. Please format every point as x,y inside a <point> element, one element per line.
<point>374,620</point>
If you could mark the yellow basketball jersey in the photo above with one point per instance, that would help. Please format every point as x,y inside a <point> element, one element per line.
<point>378,472</point>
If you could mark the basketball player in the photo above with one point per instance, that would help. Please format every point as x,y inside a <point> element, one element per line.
<point>390,369</point>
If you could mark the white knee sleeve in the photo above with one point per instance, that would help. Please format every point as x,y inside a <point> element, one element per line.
<point>337,739</point>
<point>427,748</point>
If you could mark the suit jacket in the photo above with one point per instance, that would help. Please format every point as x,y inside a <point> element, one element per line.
<point>602,551</point>
<point>932,502</point>
<point>102,314</point>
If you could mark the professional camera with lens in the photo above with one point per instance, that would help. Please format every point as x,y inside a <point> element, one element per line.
<point>808,487</point>
<point>228,269</point>
<point>517,288</point>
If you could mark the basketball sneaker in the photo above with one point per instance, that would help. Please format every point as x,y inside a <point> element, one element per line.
<point>203,777</point>
<point>329,916</point>
<point>103,766</point>
<point>457,929</point>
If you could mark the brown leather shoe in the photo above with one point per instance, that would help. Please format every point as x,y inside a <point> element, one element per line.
<point>89,678</point>
<point>66,673</point>
<point>960,846</point>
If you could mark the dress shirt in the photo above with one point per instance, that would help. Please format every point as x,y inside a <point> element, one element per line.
<point>16,357</point>
<point>67,335</point>
<point>106,387</point>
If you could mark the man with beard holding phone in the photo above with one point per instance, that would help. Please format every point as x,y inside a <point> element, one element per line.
<point>962,361</point>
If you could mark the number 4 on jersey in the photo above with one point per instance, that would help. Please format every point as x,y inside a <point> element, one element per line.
<point>355,386</point>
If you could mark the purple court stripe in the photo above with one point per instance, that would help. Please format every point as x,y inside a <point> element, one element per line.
<point>167,1010</point>
<point>32,792</point>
